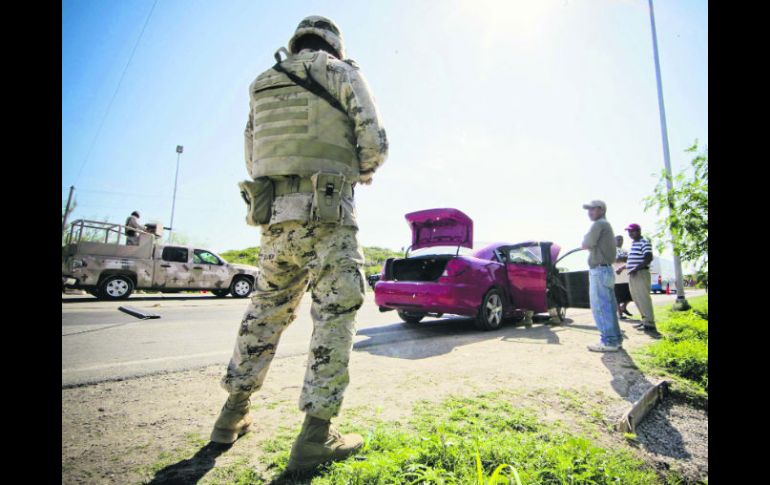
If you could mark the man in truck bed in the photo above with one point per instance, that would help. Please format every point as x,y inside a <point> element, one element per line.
<point>132,237</point>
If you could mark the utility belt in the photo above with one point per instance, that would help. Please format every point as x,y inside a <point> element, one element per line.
<point>327,188</point>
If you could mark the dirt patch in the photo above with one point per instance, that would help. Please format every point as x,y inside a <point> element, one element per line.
<point>131,431</point>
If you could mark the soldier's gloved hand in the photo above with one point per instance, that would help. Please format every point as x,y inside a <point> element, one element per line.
<point>365,178</point>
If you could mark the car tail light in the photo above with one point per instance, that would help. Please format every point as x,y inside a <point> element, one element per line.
<point>660,280</point>
<point>455,267</point>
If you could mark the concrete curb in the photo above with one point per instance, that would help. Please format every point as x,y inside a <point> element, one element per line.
<point>640,408</point>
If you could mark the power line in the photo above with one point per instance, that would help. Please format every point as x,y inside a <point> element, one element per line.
<point>117,88</point>
<point>134,194</point>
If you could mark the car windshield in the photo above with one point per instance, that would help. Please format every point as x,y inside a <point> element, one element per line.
<point>526,255</point>
<point>440,250</point>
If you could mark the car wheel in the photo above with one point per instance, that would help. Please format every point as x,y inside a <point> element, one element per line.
<point>490,314</point>
<point>410,317</point>
<point>116,288</point>
<point>220,293</point>
<point>241,288</point>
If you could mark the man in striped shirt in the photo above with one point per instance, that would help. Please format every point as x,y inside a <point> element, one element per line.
<point>638,266</point>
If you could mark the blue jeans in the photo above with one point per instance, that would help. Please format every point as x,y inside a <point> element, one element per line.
<point>604,306</point>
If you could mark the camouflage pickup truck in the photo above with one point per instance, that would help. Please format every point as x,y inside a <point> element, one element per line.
<point>112,271</point>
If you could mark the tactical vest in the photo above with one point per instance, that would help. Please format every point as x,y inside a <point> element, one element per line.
<point>296,132</point>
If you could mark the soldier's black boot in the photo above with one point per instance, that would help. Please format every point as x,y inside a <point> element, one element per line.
<point>319,443</point>
<point>234,419</point>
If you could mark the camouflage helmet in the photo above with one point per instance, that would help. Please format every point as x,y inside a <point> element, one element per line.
<point>324,28</point>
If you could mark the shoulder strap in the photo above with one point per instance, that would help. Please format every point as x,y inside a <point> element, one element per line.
<point>311,85</point>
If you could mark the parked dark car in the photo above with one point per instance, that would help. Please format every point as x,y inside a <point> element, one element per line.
<point>373,279</point>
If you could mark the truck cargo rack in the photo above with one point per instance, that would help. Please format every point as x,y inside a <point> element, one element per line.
<point>77,228</point>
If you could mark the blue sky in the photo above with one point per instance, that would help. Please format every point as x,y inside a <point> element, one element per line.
<point>515,112</point>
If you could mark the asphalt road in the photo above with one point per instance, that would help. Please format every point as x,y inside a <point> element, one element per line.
<point>101,343</point>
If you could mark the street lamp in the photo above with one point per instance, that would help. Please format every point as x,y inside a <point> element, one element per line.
<point>681,302</point>
<point>179,150</point>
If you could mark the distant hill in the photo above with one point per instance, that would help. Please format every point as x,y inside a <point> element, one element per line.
<point>374,257</point>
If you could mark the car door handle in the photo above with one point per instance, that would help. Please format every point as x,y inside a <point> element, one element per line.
<point>197,267</point>
<point>165,265</point>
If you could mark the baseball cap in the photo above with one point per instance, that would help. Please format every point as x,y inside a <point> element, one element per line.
<point>595,203</point>
<point>631,227</point>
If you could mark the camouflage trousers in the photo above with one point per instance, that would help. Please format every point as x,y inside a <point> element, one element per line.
<point>293,253</point>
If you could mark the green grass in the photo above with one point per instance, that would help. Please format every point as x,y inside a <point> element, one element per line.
<point>481,440</point>
<point>193,442</point>
<point>682,353</point>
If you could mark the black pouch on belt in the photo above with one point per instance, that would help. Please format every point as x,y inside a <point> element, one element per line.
<point>258,195</point>
<point>327,196</point>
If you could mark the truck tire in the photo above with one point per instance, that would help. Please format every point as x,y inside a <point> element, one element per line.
<point>117,287</point>
<point>220,293</point>
<point>241,287</point>
<point>490,314</point>
<point>410,317</point>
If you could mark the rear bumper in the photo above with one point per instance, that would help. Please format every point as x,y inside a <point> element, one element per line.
<point>427,297</point>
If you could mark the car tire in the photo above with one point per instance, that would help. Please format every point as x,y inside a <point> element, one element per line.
<point>490,315</point>
<point>220,293</point>
<point>410,317</point>
<point>117,287</point>
<point>241,287</point>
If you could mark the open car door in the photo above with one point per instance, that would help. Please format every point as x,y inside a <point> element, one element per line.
<point>569,288</point>
<point>527,275</point>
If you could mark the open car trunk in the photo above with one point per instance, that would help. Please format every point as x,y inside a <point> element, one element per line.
<point>421,268</point>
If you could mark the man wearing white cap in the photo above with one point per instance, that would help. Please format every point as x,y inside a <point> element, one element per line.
<point>600,242</point>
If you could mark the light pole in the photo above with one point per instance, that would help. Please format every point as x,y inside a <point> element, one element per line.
<point>681,301</point>
<point>179,150</point>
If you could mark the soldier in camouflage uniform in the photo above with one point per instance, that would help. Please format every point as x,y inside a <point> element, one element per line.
<point>312,112</point>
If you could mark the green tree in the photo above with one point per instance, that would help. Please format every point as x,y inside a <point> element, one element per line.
<point>373,256</point>
<point>686,212</point>
<point>248,256</point>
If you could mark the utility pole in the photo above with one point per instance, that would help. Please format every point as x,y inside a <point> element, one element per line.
<point>179,150</point>
<point>67,210</point>
<point>681,301</point>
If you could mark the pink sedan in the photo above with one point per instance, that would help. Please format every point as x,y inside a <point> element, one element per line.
<point>501,280</point>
